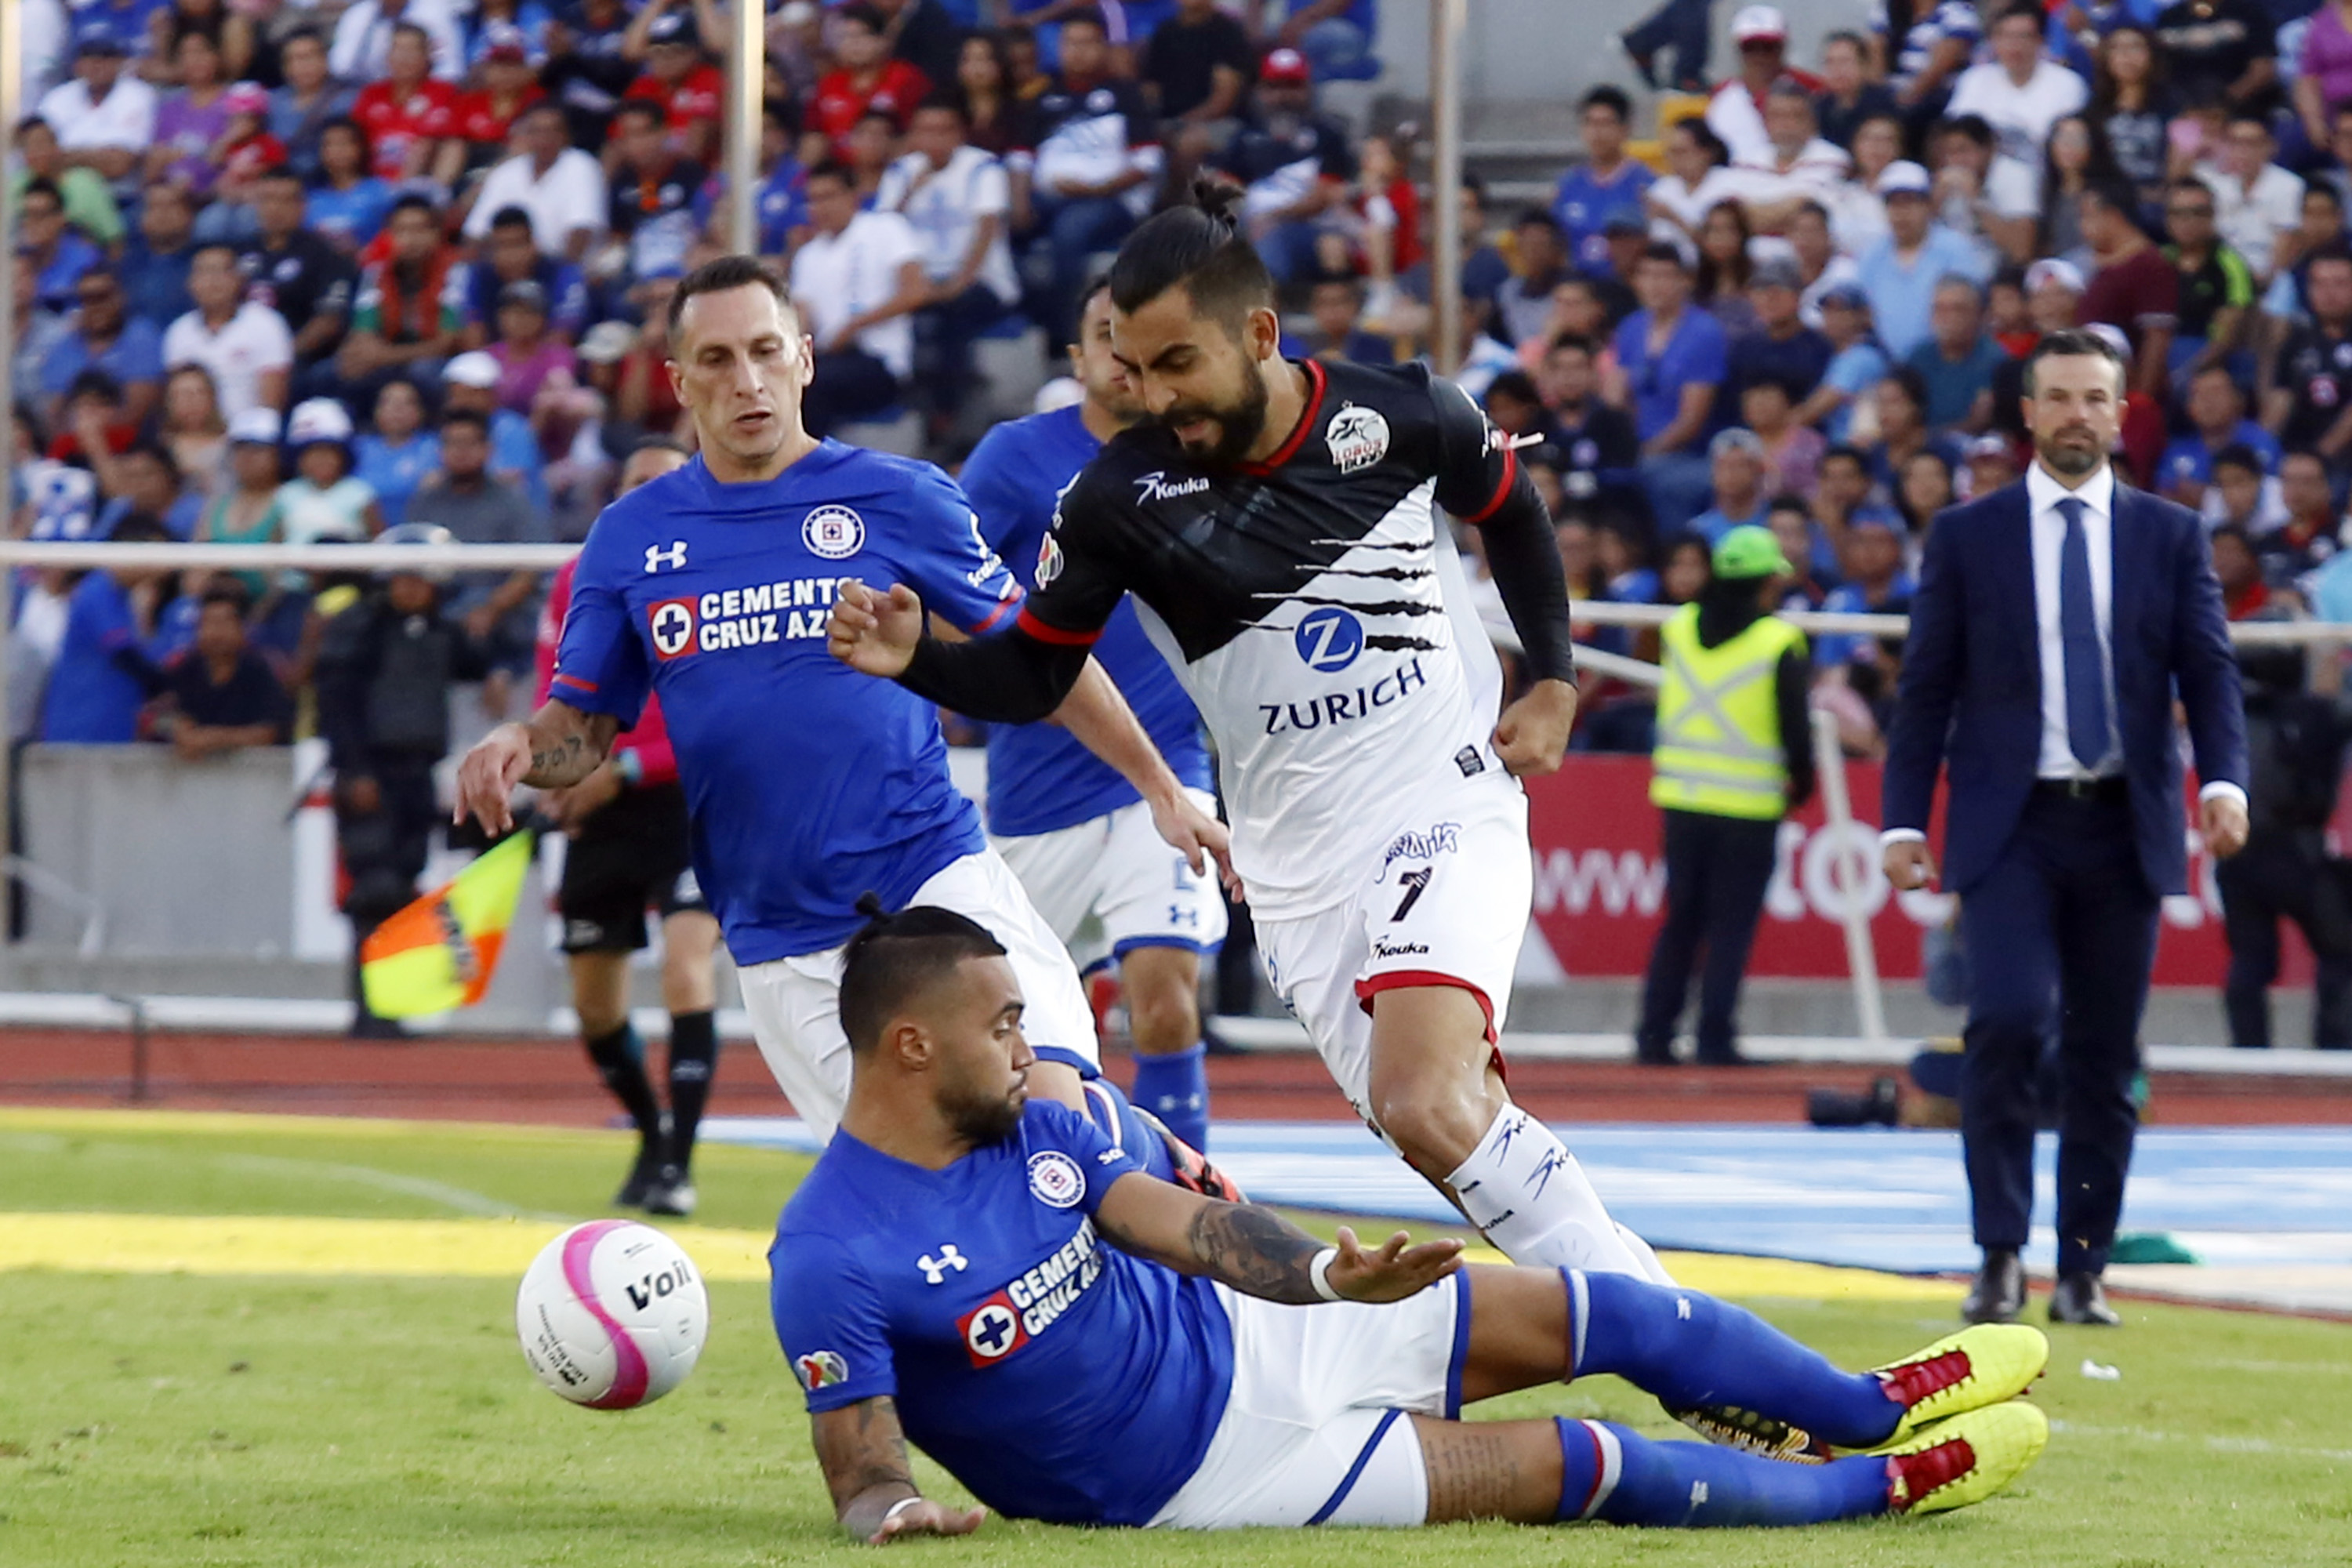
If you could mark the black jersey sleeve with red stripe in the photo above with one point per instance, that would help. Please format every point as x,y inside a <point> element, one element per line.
<point>1021,674</point>
<point>1480,480</point>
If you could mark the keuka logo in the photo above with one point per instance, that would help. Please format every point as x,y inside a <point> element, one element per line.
<point>1156,486</point>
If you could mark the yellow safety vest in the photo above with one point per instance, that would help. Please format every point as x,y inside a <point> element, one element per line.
<point>1719,748</point>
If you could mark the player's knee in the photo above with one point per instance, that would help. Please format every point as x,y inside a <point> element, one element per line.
<point>1435,1122</point>
<point>1163,1019</point>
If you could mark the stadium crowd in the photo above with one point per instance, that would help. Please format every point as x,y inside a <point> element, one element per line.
<point>300,273</point>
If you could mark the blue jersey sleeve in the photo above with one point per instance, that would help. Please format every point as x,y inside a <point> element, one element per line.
<point>601,665</point>
<point>1100,1160</point>
<point>991,478</point>
<point>948,562</point>
<point>829,1319</point>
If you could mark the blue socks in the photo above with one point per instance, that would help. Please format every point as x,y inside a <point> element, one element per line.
<point>1612,1473</point>
<point>1175,1088</point>
<point>1689,1350</point>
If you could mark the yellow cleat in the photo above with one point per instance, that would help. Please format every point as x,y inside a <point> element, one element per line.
<point>1964,1459</point>
<point>1974,1368</point>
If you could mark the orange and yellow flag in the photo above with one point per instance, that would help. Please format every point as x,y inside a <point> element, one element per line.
<point>438,954</point>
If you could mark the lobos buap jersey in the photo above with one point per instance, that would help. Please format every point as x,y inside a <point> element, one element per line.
<point>1314,608</point>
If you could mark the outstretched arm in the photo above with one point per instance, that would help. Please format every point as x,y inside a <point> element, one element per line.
<point>1011,677</point>
<point>863,1453</point>
<point>1256,1251</point>
<point>558,747</point>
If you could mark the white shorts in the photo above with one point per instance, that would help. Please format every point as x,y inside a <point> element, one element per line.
<point>1113,883</point>
<point>795,1010</point>
<point>1445,903</point>
<point>1317,1430</point>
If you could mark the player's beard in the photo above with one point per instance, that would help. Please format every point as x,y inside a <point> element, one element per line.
<point>1238,425</point>
<point>2070,451</point>
<point>981,1116</point>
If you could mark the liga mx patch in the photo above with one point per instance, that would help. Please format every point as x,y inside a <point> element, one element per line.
<point>834,532</point>
<point>1055,1179</point>
<point>1358,436</point>
<point>821,1369</point>
<point>1049,561</point>
<point>670,624</point>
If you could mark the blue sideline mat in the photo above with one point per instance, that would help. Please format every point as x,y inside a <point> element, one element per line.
<point>1874,1199</point>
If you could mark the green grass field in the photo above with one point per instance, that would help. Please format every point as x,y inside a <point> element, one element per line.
<point>203,1418</point>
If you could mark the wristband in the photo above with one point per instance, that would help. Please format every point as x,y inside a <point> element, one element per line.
<point>901,1506</point>
<point>631,767</point>
<point>1318,1273</point>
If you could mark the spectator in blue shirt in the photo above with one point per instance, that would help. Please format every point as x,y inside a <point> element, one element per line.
<point>1957,361</point>
<point>104,672</point>
<point>2217,419</point>
<point>106,336</point>
<point>1607,180</point>
<point>146,481</point>
<point>1900,273</point>
<point>156,260</point>
<point>1857,363</point>
<point>1735,463</point>
<point>396,455</point>
<point>1876,585</point>
<point>56,255</point>
<point>1336,304</point>
<point>1785,351</point>
<point>1673,359</point>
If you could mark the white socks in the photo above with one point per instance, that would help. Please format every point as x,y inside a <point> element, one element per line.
<point>1525,1190</point>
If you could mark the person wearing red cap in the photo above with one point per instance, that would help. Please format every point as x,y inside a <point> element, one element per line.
<point>1735,112</point>
<point>1294,164</point>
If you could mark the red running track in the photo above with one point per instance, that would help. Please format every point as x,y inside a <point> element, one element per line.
<point>547,1081</point>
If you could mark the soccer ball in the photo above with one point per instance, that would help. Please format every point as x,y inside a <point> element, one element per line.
<point>612,1314</point>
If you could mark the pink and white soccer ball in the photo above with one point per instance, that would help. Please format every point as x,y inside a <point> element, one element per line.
<point>612,1314</point>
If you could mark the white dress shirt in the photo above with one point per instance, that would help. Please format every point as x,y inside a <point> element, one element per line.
<point>2097,494</point>
<point>836,277</point>
<point>570,196</point>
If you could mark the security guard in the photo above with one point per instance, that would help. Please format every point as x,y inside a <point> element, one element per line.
<point>1732,758</point>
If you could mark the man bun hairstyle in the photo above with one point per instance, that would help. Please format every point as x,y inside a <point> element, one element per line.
<point>718,276</point>
<point>896,957</point>
<point>1200,248</point>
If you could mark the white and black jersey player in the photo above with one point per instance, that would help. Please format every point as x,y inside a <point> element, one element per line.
<point>1277,524</point>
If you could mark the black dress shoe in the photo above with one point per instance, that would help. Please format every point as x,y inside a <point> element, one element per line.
<point>1654,1053</point>
<point>1998,1294</point>
<point>2081,1298</point>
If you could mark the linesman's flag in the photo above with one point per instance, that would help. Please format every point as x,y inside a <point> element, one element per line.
<point>438,954</point>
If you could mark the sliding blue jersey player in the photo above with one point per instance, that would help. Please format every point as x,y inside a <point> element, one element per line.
<point>982,1274</point>
<point>1076,833</point>
<point>808,789</point>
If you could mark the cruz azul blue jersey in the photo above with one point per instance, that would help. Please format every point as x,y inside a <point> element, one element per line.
<point>1053,1374</point>
<point>1039,777</point>
<point>808,783</point>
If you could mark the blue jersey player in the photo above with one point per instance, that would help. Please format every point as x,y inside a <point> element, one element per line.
<point>1074,831</point>
<point>807,789</point>
<point>979,1272</point>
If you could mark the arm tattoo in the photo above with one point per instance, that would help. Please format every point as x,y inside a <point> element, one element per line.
<point>863,1453</point>
<point>566,745</point>
<point>1256,1251</point>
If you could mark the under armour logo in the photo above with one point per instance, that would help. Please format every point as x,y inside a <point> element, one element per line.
<point>935,1269</point>
<point>1698,1494</point>
<point>1681,1308</point>
<point>672,556</point>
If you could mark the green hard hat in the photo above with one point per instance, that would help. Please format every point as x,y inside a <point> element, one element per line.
<point>1748,551</point>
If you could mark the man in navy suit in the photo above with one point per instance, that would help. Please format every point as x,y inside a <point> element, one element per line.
<point>2055,621</point>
